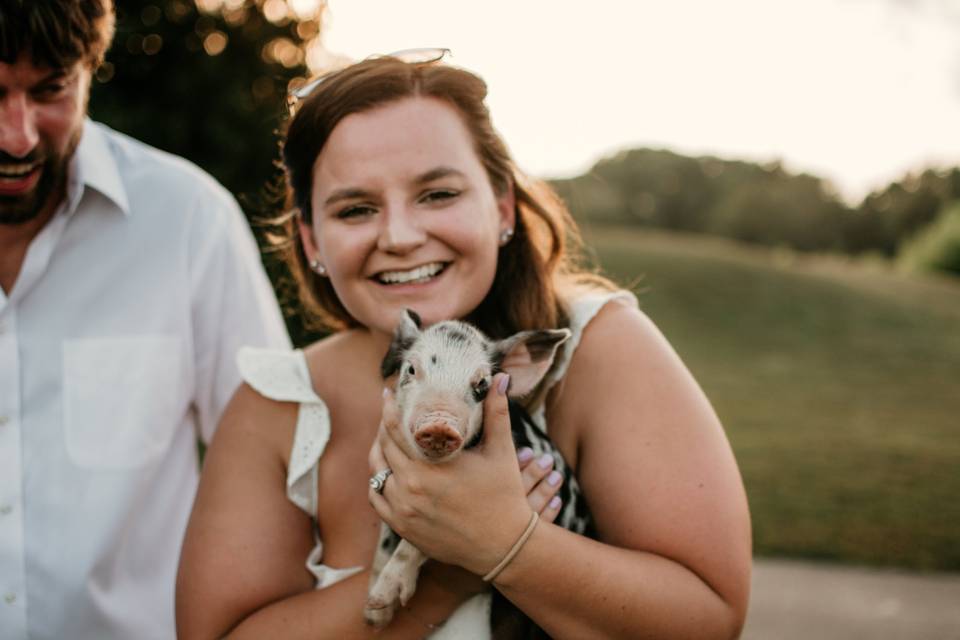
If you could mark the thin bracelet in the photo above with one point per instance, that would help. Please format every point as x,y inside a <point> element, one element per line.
<point>515,549</point>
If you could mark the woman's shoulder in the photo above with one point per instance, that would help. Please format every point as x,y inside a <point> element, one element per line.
<point>277,401</point>
<point>618,341</point>
<point>615,323</point>
<point>256,424</point>
<point>586,309</point>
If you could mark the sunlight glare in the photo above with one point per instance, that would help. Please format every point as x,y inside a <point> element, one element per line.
<point>305,9</point>
<point>275,11</point>
<point>855,91</point>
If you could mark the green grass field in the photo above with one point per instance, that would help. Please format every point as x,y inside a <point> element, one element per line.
<point>838,384</point>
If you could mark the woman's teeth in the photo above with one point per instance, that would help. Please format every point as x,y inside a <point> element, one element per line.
<point>420,274</point>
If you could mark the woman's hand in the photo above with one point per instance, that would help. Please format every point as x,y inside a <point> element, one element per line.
<point>467,512</point>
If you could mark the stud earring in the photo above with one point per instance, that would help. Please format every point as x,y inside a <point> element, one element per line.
<point>505,236</point>
<point>318,268</point>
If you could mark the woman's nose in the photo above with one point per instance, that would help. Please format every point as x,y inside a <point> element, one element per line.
<point>400,231</point>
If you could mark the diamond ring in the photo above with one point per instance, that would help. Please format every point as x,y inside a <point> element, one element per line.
<point>379,479</point>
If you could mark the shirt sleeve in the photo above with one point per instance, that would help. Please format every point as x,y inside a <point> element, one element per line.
<point>232,303</point>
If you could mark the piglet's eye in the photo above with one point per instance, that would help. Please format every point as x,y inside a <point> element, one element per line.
<point>480,390</point>
<point>410,370</point>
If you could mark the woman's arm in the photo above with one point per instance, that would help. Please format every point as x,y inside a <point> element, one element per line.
<point>242,568</point>
<point>242,571</point>
<point>674,553</point>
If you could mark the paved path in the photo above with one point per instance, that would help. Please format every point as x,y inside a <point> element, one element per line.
<point>806,601</point>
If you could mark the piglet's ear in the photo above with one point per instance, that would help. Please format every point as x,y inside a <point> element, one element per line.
<point>406,333</point>
<point>527,357</point>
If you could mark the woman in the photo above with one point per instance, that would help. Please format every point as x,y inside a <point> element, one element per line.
<point>407,198</point>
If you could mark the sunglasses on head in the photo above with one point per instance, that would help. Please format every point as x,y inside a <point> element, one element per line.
<point>427,55</point>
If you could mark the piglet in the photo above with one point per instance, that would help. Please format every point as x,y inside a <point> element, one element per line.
<point>445,372</point>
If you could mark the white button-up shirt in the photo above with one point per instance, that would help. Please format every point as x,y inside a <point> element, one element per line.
<point>117,350</point>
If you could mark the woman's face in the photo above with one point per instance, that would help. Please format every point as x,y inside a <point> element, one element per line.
<point>405,215</point>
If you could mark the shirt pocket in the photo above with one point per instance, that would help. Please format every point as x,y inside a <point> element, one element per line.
<point>122,399</point>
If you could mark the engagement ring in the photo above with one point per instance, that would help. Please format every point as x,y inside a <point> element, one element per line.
<point>379,479</point>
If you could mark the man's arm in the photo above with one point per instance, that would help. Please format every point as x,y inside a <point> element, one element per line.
<point>232,302</point>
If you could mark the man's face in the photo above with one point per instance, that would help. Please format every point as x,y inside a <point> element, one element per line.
<point>41,117</point>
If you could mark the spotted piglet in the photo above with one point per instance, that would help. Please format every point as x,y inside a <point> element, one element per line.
<point>445,372</point>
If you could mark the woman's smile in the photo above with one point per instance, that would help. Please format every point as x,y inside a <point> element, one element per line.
<point>417,275</point>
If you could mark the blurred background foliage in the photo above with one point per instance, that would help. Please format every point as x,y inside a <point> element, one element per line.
<point>208,80</point>
<point>823,331</point>
<point>207,84</point>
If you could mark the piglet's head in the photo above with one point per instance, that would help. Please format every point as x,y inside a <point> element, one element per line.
<point>444,374</point>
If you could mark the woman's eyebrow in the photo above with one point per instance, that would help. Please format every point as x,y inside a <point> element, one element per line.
<point>345,194</point>
<point>436,174</point>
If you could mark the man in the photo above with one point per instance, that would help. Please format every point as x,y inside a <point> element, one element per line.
<point>128,279</point>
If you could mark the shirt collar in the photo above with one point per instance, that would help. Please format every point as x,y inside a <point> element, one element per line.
<point>93,165</point>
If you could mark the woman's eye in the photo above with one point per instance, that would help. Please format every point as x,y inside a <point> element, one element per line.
<point>355,211</point>
<point>439,195</point>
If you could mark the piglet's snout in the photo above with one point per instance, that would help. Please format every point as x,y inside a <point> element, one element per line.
<point>437,439</point>
<point>438,432</point>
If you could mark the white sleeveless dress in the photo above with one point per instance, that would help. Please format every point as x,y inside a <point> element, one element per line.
<point>284,376</point>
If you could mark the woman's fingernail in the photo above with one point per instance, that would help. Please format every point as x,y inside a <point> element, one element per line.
<point>524,454</point>
<point>554,502</point>
<point>554,478</point>
<point>545,461</point>
<point>503,384</point>
<point>386,392</point>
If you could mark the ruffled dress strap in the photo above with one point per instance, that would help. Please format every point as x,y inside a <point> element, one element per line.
<point>284,376</point>
<point>581,309</point>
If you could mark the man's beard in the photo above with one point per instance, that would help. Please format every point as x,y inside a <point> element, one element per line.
<point>20,209</point>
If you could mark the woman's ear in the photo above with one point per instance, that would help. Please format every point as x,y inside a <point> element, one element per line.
<point>307,240</point>
<point>507,206</point>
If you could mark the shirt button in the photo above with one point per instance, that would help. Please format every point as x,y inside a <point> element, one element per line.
<point>10,598</point>
<point>5,509</point>
<point>4,420</point>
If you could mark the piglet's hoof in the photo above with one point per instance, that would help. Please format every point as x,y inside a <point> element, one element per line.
<point>377,613</point>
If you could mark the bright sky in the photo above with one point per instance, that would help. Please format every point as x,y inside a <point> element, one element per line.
<point>857,91</point>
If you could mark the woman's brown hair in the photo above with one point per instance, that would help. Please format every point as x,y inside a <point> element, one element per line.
<point>534,270</point>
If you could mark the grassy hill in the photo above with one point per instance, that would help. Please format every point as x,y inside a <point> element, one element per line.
<point>838,384</point>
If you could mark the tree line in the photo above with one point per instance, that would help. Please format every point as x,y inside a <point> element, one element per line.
<point>913,219</point>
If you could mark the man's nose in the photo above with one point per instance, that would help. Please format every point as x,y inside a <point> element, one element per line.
<point>400,231</point>
<point>18,127</point>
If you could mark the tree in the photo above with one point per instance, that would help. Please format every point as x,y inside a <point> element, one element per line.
<point>937,246</point>
<point>889,217</point>
<point>207,85</point>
